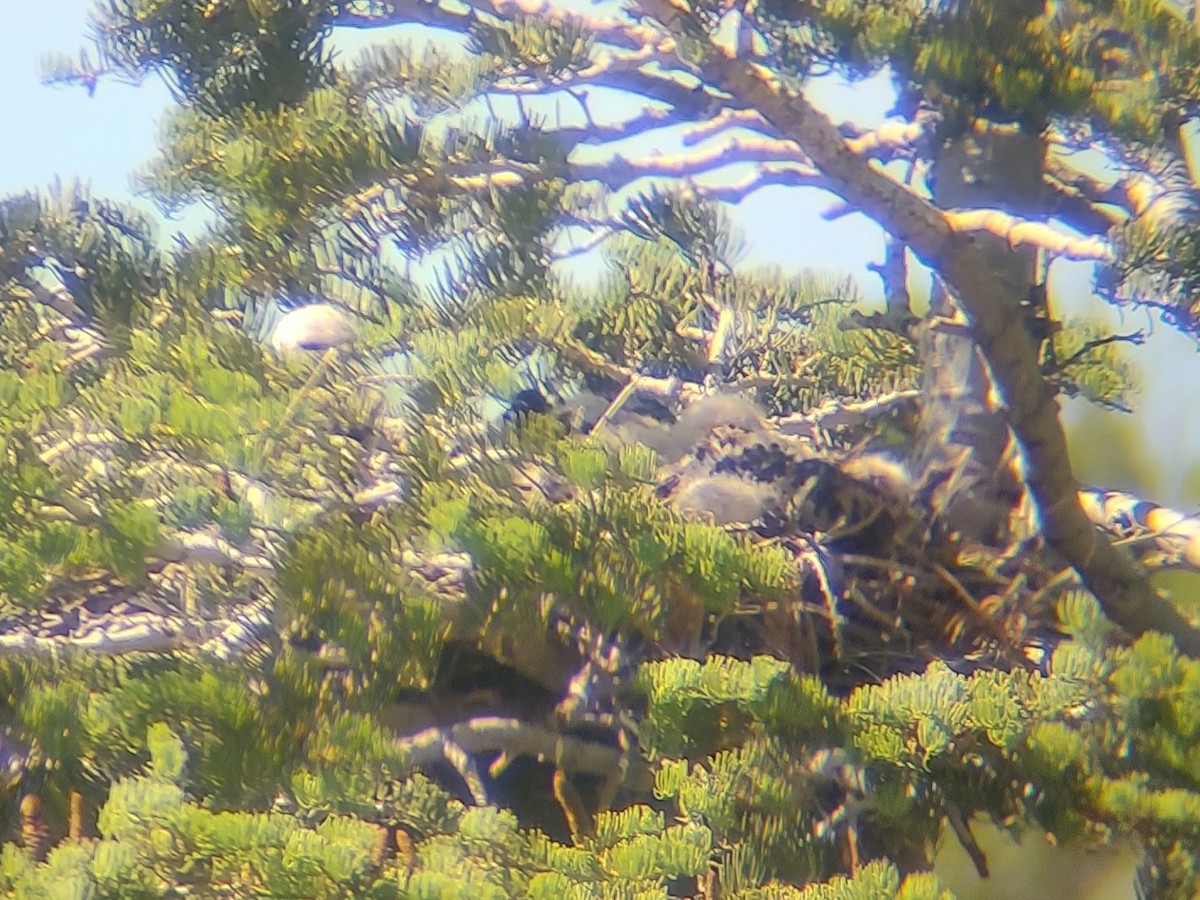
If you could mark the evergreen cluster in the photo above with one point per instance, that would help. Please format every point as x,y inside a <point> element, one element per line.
<point>440,611</point>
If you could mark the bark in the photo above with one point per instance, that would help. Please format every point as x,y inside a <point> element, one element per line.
<point>964,436</point>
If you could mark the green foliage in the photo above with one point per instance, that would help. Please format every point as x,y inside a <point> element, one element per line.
<point>1156,258</point>
<point>153,841</point>
<point>1093,367</point>
<point>1028,61</point>
<point>873,880</point>
<point>220,55</point>
<point>657,738</point>
<point>105,254</point>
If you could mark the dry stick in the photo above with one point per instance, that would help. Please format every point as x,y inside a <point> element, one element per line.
<point>1112,576</point>
<point>613,408</point>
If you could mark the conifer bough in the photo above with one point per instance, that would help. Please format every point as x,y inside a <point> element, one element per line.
<point>684,621</point>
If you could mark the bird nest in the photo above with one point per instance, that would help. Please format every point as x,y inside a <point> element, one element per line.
<point>885,585</point>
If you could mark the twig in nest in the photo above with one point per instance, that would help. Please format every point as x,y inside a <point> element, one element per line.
<point>1137,338</point>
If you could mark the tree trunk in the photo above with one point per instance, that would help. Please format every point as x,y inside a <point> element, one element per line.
<point>965,455</point>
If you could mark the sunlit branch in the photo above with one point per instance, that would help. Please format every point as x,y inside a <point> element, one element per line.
<point>663,88</point>
<point>1175,535</point>
<point>890,138</point>
<point>616,172</point>
<point>1019,232</point>
<point>587,245</point>
<point>725,120</point>
<point>1138,194</point>
<point>57,299</point>
<point>841,414</point>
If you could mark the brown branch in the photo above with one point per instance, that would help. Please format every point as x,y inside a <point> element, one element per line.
<point>590,132</point>
<point>1137,338</point>
<point>1066,201</point>
<point>1116,580</point>
<point>765,175</point>
<point>898,316</point>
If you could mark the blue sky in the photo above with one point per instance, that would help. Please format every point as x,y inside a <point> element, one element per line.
<point>102,140</point>
<point>61,131</point>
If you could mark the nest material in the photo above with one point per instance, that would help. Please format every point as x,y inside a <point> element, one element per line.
<point>884,585</point>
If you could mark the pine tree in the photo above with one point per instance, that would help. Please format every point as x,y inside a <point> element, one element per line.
<point>351,549</point>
